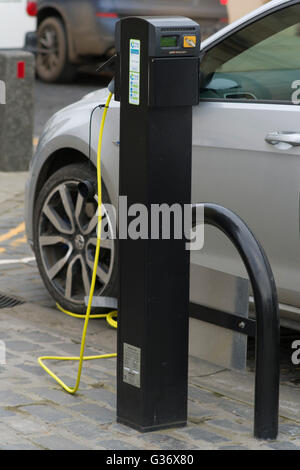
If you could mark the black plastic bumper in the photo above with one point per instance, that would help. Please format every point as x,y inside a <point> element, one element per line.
<point>31,42</point>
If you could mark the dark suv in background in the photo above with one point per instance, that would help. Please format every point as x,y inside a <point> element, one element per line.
<point>75,32</point>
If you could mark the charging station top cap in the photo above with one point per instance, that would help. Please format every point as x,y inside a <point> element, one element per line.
<point>172,36</point>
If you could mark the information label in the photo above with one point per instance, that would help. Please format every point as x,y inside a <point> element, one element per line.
<point>134,71</point>
<point>132,365</point>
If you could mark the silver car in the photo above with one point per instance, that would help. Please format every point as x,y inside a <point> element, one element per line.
<point>246,156</point>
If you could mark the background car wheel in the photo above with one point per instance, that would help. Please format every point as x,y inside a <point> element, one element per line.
<point>65,227</point>
<point>52,64</point>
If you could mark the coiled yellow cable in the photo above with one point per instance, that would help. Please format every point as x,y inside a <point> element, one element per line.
<point>109,317</point>
<point>77,315</point>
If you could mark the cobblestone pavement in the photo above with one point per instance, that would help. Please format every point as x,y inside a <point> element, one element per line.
<point>36,414</point>
<point>13,244</point>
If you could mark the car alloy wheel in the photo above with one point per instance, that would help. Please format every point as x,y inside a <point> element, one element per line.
<point>67,236</point>
<point>52,61</point>
<point>48,43</point>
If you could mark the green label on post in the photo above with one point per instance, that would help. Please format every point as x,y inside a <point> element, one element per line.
<point>134,71</point>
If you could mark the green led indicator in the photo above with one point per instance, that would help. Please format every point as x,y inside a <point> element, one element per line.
<point>169,41</point>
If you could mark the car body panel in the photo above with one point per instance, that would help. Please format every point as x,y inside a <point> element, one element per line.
<point>235,167</point>
<point>69,129</point>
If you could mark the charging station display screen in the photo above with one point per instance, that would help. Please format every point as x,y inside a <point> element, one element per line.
<point>169,41</point>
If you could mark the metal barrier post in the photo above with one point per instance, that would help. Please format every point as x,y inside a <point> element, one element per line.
<point>267,370</point>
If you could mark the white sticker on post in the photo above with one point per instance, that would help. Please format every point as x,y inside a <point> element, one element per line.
<point>134,71</point>
<point>132,365</point>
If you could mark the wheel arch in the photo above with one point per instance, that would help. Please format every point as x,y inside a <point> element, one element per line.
<point>47,12</point>
<point>59,159</point>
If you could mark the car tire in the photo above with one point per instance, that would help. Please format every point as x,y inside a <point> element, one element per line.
<point>65,227</point>
<point>53,65</point>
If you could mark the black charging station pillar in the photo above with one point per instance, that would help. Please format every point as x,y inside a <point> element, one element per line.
<point>157,83</point>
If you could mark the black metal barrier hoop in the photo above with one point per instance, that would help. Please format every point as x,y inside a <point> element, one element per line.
<point>267,366</point>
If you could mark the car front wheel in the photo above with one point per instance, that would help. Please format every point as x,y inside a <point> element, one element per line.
<point>65,236</point>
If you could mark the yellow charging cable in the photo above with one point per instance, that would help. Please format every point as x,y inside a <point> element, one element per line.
<point>109,317</point>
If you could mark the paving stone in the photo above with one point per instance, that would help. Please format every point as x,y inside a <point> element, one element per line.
<point>290,429</point>
<point>237,409</point>
<point>97,374</point>
<point>73,349</point>
<point>108,364</point>
<point>116,445</point>
<point>47,413</point>
<point>122,429</point>
<point>22,346</point>
<point>99,414</point>
<point>67,379</point>
<point>9,398</point>
<point>40,337</point>
<point>165,442</point>
<point>56,442</point>
<point>283,446</point>
<point>201,396</point>
<point>102,395</point>
<point>4,413</point>
<point>200,434</point>
<point>10,357</point>
<point>24,424</point>
<point>20,446</point>
<point>15,382</point>
<point>58,396</point>
<point>32,369</point>
<point>4,336</point>
<point>8,436</point>
<point>3,369</point>
<point>86,430</point>
<point>199,413</point>
<point>233,448</point>
<point>225,425</point>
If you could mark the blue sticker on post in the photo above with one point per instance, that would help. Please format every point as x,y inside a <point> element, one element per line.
<point>134,71</point>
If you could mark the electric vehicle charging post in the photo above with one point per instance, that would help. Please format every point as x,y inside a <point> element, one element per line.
<point>157,83</point>
<point>155,170</point>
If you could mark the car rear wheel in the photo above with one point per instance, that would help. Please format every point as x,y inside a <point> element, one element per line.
<point>52,64</point>
<point>65,235</point>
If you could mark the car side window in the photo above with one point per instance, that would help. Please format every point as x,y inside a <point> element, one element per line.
<point>261,62</point>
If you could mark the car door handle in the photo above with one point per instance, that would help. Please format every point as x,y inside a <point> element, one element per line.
<point>290,138</point>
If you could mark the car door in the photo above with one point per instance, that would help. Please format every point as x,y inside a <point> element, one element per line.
<point>246,142</point>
